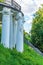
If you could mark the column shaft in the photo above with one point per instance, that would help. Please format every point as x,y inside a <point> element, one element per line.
<point>19,43</point>
<point>11,32</point>
<point>15,32</point>
<point>6,27</point>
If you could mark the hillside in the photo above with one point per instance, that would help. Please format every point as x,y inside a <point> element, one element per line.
<point>12,57</point>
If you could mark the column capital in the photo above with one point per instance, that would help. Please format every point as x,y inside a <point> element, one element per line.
<point>6,11</point>
<point>19,16</point>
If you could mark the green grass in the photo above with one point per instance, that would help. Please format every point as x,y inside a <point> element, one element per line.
<point>12,57</point>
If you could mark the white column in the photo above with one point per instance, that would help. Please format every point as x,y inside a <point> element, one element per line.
<point>15,32</point>
<point>11,32</point>
<point>19,43</point>
<point>6,18</point>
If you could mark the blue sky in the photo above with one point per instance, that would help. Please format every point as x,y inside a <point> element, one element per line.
<point>29,7</point>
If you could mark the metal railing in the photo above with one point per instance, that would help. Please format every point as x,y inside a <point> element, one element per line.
<point>12,3</point>
<point>16,5</point>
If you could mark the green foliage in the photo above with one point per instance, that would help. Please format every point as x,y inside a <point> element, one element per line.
<point>27,36</point>
<point>2,0</point>
<point>12,57</point>
<point>0,32</point>
<point>37,29</point>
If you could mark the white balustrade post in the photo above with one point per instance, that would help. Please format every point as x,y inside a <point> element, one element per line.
<point>6,19</point>
<point>19,43</point>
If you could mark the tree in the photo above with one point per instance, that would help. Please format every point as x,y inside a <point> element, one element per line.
<point>2,0</point>
<point>37,29</point>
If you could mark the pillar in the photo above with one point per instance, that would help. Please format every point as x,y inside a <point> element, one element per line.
<point>19,42</point>
<point>6,19</point>
<point>15,32</point>
<point>11,32</point>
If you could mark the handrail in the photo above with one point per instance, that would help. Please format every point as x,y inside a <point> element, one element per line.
<point>9,6</point>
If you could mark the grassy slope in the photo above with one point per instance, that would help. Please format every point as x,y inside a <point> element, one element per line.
<point>12,57</point>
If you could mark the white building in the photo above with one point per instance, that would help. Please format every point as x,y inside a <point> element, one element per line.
<point>12,26</point>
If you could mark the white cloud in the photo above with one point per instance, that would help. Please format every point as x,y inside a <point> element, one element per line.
<point>28,8</point>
